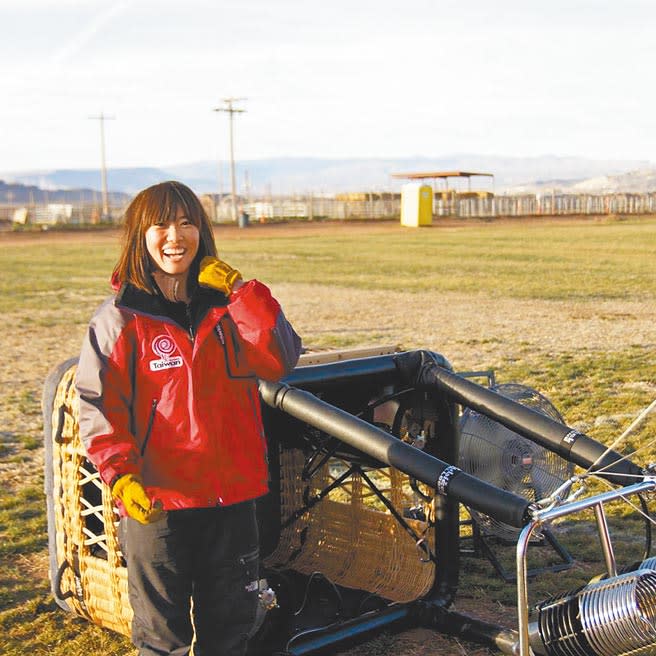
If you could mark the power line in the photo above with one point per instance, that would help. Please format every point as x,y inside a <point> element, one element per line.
<point>232,110</point>
<point>103,167</point>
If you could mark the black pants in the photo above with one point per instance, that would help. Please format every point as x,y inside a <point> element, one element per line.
<point>206,555</point>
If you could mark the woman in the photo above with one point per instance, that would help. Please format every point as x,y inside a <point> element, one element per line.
<point>170,416</point>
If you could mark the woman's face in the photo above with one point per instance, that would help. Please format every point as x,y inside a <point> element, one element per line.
<point>172,245</point>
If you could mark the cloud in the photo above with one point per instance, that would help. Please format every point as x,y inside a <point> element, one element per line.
<point>78,41</point>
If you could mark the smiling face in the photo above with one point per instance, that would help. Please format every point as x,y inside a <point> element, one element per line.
<point>172,244</point>
<point>166,234</point>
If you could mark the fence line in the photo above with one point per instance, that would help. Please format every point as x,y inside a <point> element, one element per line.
<point>313,207</point>
<point>525,205</point>
<point>547,205</point>
<point>57,213</point>
<point>317,208</point>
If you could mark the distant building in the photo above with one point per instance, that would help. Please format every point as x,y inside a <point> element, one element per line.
<point>358,196</point>
<point>50,214</point>
<point>444,176</point>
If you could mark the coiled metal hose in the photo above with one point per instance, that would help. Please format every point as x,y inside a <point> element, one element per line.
<point>610,617</point>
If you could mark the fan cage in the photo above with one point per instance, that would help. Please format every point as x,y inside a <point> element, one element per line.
<point>498,455</point>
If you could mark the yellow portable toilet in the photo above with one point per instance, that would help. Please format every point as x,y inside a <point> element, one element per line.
<point>416,205</point>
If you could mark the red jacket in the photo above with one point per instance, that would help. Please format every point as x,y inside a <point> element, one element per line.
<point>181,408</point>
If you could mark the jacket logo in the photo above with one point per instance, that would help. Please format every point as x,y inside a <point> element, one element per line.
<point>165,347</point>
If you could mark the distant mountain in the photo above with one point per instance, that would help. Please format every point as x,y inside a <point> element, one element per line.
<point>303,174</point>
<point>631,182</point>
<point>638,181</point>
<point>124,180</point>
<point>286,175</point>
<point>24,194</point>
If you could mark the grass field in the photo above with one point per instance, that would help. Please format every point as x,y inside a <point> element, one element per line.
<point>566,307</point>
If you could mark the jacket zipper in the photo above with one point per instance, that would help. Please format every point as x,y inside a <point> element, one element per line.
<point>189,320</point>
<point>149,427</point>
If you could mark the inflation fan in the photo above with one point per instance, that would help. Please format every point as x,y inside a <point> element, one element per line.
<point>496,454</point>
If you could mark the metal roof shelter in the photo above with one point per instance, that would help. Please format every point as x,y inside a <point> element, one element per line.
<point>444,175</point>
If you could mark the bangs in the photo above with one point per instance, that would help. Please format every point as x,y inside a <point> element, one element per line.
<point>166,199</point>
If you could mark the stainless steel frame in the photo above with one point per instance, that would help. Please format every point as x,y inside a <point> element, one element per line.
<point>544,517</point>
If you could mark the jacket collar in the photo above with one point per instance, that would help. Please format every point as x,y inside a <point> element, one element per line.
<point>132,298</point>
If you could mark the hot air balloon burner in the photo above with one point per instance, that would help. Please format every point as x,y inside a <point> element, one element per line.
<point>613,616</point>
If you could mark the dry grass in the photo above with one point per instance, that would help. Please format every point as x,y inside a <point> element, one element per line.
<point>529,339</point>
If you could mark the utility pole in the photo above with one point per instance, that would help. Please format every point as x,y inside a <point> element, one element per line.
<point>232,110</point>
<point>103,167</point>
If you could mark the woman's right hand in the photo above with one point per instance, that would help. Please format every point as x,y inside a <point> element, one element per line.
<point>138,505</point>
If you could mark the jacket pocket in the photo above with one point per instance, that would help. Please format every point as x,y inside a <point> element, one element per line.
<point>248,564</point>
<point>149,425</point>
<point>235,356</point>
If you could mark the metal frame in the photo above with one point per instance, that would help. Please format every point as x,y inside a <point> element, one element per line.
<point>542,517</point>
<point>330,381</point>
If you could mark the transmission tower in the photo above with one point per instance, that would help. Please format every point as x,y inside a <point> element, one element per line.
<point>232,110</point>
<point>103,167</point>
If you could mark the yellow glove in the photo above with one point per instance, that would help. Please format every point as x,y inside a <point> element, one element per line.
<point>136,501</point>
<point>217,274</point>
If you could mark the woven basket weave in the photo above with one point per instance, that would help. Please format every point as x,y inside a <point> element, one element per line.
<point>93,576</point>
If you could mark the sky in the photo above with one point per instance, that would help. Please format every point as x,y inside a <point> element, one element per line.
<point>328,79</point>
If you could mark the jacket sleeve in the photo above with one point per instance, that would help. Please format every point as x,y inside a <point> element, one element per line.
<point>104,384</point>
<point>271,344</point>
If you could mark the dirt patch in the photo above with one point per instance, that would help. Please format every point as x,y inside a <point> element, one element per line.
<point>471,330</point>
